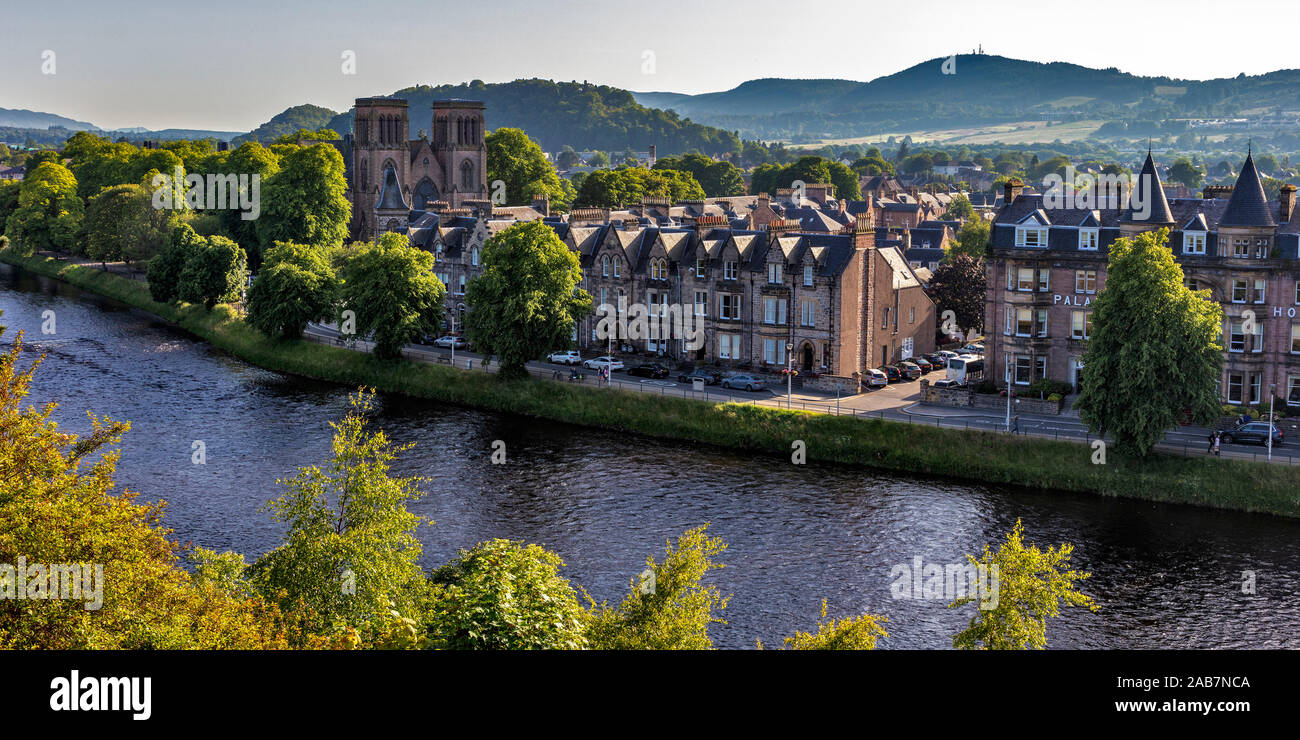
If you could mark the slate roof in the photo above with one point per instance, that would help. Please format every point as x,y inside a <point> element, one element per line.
<point>1148,191</point>
<point>1248,206</point>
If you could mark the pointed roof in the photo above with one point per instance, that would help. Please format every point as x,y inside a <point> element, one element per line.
<point>1148,191</point>
<point>1248,206</point>
<point>391,199</point>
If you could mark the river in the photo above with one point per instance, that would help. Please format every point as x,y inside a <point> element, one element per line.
<point>1163,576</point>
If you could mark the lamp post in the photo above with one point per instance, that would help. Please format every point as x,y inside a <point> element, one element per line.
<point>1008,378</point>
<point>1272,391</point>
<point>453,338</point>
<point>789,376</point>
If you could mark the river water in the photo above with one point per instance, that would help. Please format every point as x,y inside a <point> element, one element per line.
<point>1163,576</point>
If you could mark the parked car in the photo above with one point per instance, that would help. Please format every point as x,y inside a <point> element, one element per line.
<point>603,362</point>
<point>649,370</point>
<point>449,341</point>
<point>909,370</point>
<point>946,354</point>
<point>875,378</point>
<point>945,383</point>
<point>922,363</point>
<point>891,373</point>
<point>565,358</point>
<point>742,382</point>
<point>974,349</point>
<point>938,360</point>
<point>709,377</point>
<point>1254,431</point>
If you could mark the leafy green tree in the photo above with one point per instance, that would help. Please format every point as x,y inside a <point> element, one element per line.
<point>917,164</point>
<point>519,162</point>
<point>305,200</point>
<point>958,285</point>
<point>973,238</point>
<point>122,224</point>
<point>8,199</point>
<point>850,633</point>
<point>213,274</point>
<point>960,209</point>
<point>505,595</point>
<point>1146,312</point>
<point>872,166</point>
<point>567,158</point>
<point>845,181</point>
<point>350,556</point>
<point>49,212</point>
<point>250,159</point>
<point>1032,584</point>
<point>1185,172</point>
<point>628,185</point>
<point>598,159</point>
<point>295,285</point>
<point>527,300</point>
<point>164,271</point>
<point>716,178</point>
<point>394,293</point>
<point>672,608</point>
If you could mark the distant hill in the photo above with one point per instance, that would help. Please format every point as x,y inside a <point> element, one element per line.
<point>32,119</point>
<point>310,117</point>
<point>579,114</point>
<point>984,89</point>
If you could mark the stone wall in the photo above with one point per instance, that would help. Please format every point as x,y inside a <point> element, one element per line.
<point>964,396</point>
<point>831,383</point>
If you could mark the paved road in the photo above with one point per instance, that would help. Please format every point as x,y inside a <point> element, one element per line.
<point>898,402</point>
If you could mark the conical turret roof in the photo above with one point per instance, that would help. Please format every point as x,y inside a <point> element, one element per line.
<point>1248,206</point>
<point>1149,198</point>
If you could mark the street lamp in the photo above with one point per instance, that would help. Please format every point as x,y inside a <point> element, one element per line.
<point>1272,391</point>
<point>1007,365</point>
<point>789,376</point>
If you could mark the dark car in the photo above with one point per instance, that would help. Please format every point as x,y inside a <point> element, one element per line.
<point>925,365</point>
<point>891,373</point>
<point>649,370</point>
<point>709,378</point>
<point>1254,431</point>
<point>909,370</point>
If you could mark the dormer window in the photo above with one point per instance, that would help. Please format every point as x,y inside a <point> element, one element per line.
<point>699,267</point>
<point>1194,242</point>
<point>1088,239</point>
<point>1031,236</point>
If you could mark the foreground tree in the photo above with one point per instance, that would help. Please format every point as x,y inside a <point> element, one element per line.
<point>394,293</point>
<point>164,272</point>
<point>851,633</point>
<point>1032,584</point>
<point>505,595</point>
<point>295,285</point>
<point>527,300</point>
<point>671,608</point>
<point>350,557</point>
<point>958,285</point>
<point>1154,354</point>
<point>214,273</point>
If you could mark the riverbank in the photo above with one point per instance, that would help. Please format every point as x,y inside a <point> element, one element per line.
<point>974,456</point>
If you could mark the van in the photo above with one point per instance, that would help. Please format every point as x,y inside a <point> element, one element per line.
<point>965,369</point>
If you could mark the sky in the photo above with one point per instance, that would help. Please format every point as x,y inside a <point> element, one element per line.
<point>231,65</point>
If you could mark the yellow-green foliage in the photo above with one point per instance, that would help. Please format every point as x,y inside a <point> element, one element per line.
<point>851,633</point>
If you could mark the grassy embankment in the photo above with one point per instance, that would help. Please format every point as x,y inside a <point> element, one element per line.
<point>975,456</point>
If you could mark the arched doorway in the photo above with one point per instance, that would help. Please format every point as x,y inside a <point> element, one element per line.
<point>806,358</point>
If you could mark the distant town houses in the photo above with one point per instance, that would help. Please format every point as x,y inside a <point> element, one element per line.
<point>12,173</point>
<point>1048,264</point>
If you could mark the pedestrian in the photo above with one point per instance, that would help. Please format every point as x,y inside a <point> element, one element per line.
<point>1015,425</point>
<point>1216,444</point>
<point>1210,440</point>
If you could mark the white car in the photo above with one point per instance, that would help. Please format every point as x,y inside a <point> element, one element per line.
<point>874,377</point>
<point>450,341</point>
<point>565,358</point>
<point>974,349</point>
<point>603,362</point>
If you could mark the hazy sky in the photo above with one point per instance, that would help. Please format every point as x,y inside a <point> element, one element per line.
<point>232,65</point>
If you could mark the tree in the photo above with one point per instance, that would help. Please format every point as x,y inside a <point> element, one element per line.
<point>852,633</point>
<point>505,595</point>
<point>917,164</point>
<point>1031,586</point>
<point>253,160</point>
<point>526,301</point>
<point>164,271</point>
<point>49,212</point>
<point>60,505</point>
<point>1154,354</point>
<point>295,285</point>
<point>519,163</point>
<point>960,209</point>
<point>567,158</point>
<point>598,159</point>
<point>394,293</point>
<point>672,608</point>
<point>350,556</point>
<point>627,185</point>
<point>305,200</point>
<point>1185,172</point>
<point>972,238</point>
<point>214,273</point>
<point>122,224</point>
<point>958,285</point>
<point>716,178</point>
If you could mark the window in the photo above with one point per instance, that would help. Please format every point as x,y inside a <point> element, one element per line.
<point>1025,279</point>
<point>1239,290</point>
<point>808,276</point>
<point>615,261</point>
<point>604,293</point>
<point>1031,236</point>
<point>461,289</point>
<point>1240,247</point>
<point>771,352</point>
<point>1080,324</point>
<point>911,315</point>
<point>1256,383</point>
<point>1024,367</point>
<point>1042,322</point>
<point>467,176</point>
<point>473,257</point>
<point>604,266</point>
<point>1194,243</point>
<point>1256,340</point>
<point>1010,319</point>
<point>701,303</point>
<point>1085,281</point>
<point>1235,382</point>
<point>1293,390</point>
<point>1260,289</point>
<point>773,310</point>
<point>729,270</point>
<point>1295,339</point>
<point>728,306</point>
<point>1236,337</point>
<point>1040,367</point>
<point>1011,279</point>
<point>1044,274</point>
<point>699,267</point>
<point>885,323</point>
<point>773,272</point>
<point>1024,322</point>
<point>808,312</point>
<point>729,346</point>
<point>1297,292</point>
<point>1088,239</point>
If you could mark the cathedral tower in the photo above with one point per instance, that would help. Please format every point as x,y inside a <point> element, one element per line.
<point>381,130</point>
<point>458,130</point>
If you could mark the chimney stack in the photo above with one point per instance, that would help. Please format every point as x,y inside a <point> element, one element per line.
<point>1286,197</point>
<point>542,204</point>
<point>1011,189</point>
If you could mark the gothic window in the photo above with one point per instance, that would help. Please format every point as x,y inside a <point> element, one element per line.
<point>363,175</point>
<point>466,175</point>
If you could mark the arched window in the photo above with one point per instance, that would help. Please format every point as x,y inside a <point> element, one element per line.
<point>473,257</point>
<point>604,266</point>
<point>363,175</point>
<point>466,175</point>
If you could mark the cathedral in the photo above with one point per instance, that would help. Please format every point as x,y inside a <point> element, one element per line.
<point>391,175</point>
